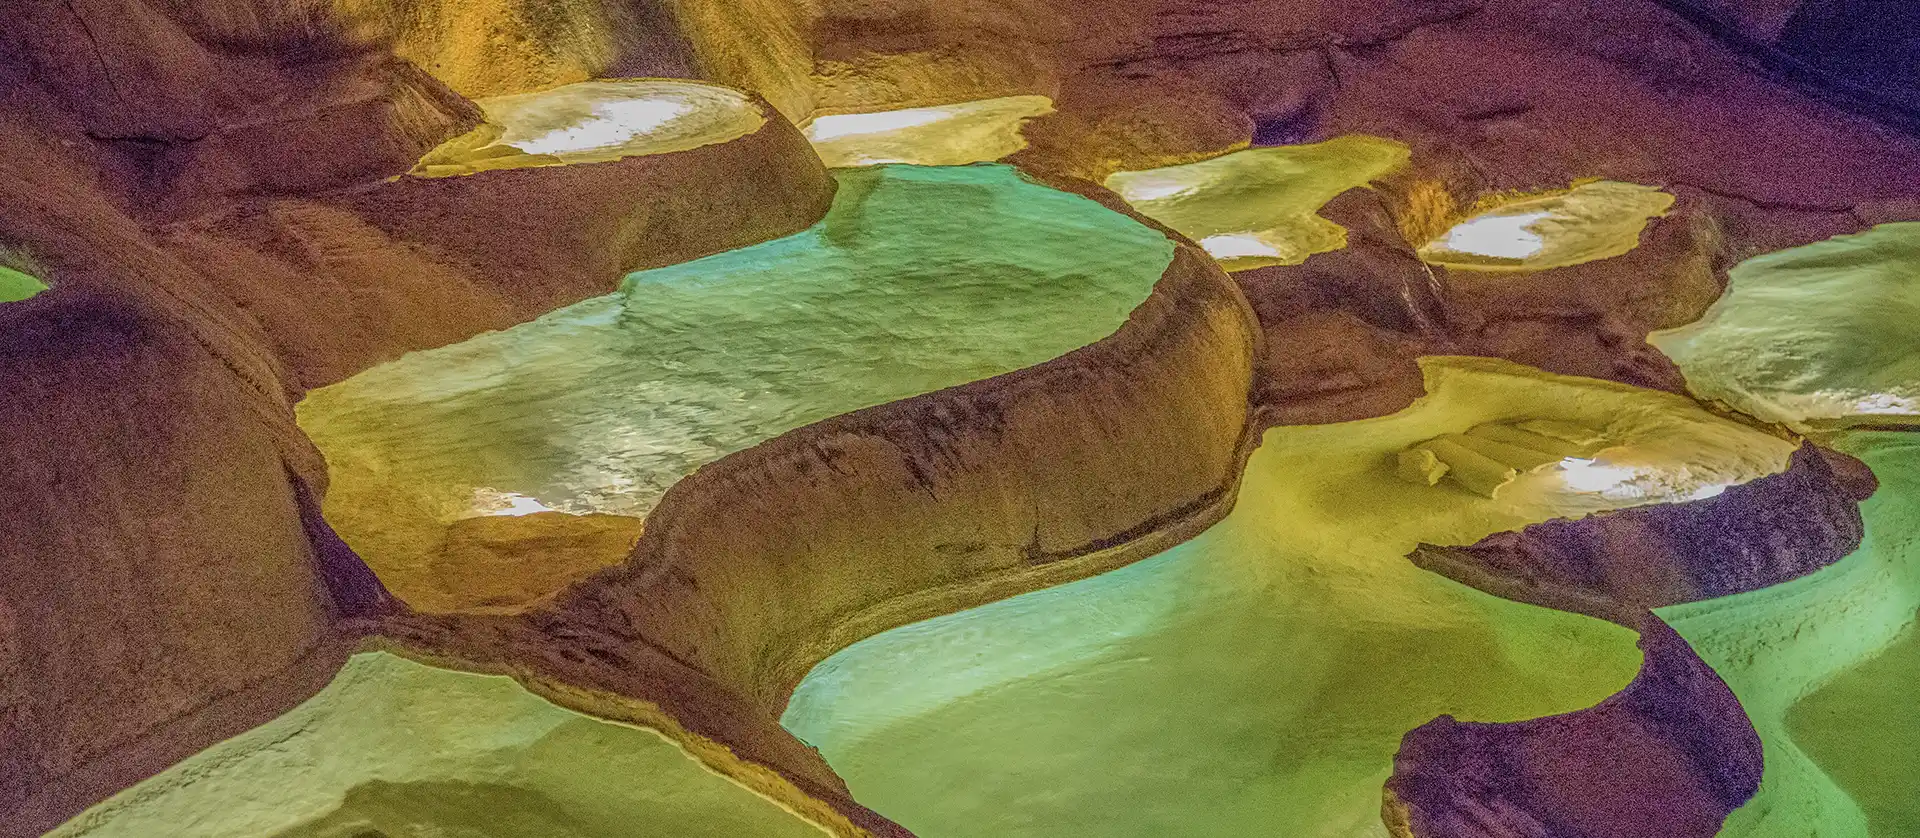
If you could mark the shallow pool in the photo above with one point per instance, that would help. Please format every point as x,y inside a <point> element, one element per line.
<point>1826,667</point>
<point>1257,680</point>
<point>393,747</point>
<point>917,280</point>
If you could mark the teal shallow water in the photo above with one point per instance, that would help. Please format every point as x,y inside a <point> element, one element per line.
<point>1827,333</point>
<point>918,279</point>
<point>396,748</point>
<point>1256,680</point>
<point>1201,692</point>
<point>1826,667</point>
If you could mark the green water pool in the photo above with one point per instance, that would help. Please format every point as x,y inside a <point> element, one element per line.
<point>17,285</point>
<point>919,278</point>
<point>1256,680</point>
<point>1826,667</point>
<point>1821,335</point>
<point>396,748</point>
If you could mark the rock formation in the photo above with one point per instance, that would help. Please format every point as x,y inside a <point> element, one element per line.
<point>839,416</point>
<point>1743,538</point>
<point>1672,754</point>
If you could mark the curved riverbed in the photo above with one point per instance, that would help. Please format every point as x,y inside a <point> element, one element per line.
<point>1826,668</point>
<point>1258,679</point>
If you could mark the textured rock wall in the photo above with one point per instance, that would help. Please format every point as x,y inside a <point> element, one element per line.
<point>189,126</point>
<point>1867,43</point>
<point>495,47</point>
<point>1526,94</point>
<point>423,262</point>
<point>1343,329</point>
<point>1857,53</point>
<point>1761,20</point>
<point>161,592</point>
<point>476,47</point>
<point>758,45</point>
